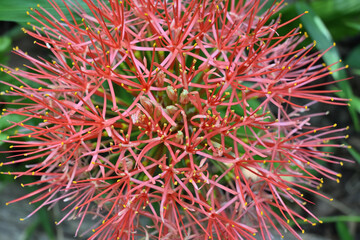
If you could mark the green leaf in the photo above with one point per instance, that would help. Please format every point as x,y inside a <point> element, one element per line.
<point>336,14</point>
<point>335,9</point>
<point>2,138</point>
<point>5,46</point>
<point>5,43</point>
<point>44,217</point>
<point>16,10</point>
<point>356,71</point>
<point>354,25</point>
<point>355,154</point>
<point>355,101</point>
<point>6,121</point>
<point>343,231</point>
<point>30,230</point>
<point>354,57</point>
<point>318,31</point>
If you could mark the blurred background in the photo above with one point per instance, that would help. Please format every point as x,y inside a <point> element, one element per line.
<point>328,21</point>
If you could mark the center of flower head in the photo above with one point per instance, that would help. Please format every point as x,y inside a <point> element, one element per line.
<point>194,112</point>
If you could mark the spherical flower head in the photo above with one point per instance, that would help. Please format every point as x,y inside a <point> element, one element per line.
<point>172,120</point>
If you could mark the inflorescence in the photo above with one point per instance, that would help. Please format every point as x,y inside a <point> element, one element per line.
<point>172,119</point>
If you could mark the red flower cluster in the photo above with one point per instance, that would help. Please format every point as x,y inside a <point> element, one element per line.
<point>171,119</point>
